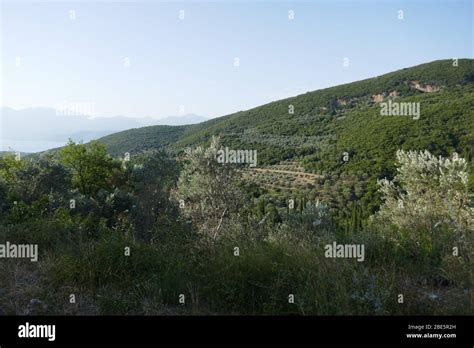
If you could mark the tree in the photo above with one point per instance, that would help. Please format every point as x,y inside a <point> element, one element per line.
<point>90,165</point>
<point>427,193</point>
<point>207,190</point>
<point>10,165</point>
<point>41,177</point>
<point>151,177</point>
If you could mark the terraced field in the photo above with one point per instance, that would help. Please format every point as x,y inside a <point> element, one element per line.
<point>287,175</point>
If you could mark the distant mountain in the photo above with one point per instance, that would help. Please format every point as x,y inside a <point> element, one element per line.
<point>37,129</point>
<point>329,123</point>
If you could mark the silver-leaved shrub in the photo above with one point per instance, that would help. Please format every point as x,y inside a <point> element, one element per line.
<point>427,194</point>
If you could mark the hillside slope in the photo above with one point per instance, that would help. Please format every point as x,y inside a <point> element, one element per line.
<point>326,124</point>
<point>142,139</point>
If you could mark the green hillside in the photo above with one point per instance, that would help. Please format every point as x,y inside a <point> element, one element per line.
<point>142,139</point>
<point>345,118</point>
<point>327,123</point>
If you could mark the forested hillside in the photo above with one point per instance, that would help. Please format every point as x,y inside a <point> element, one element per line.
<point>338,130</point>
<point>138,140</point>
<point>316,128</point>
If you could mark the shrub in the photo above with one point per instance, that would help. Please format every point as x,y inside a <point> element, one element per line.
<point>427,194</point>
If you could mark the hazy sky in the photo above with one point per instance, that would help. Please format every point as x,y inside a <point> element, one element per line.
<point>51,55</point>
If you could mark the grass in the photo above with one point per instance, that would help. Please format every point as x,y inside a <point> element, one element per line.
<point>214,280</point>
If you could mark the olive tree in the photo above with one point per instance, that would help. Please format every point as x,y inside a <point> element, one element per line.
<point>207,191</point>
<point>427,194</point>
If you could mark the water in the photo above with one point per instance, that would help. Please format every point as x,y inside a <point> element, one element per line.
<point>29,145</point>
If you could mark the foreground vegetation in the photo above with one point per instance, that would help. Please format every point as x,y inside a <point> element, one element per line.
<point>152,235</point>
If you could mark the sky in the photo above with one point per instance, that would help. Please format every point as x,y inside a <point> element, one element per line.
<point>140,59</point>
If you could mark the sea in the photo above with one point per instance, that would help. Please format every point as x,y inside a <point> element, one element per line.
<point>28,146</point>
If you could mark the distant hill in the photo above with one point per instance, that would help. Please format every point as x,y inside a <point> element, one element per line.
<point>143,139</point>
<point>330,122</point>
